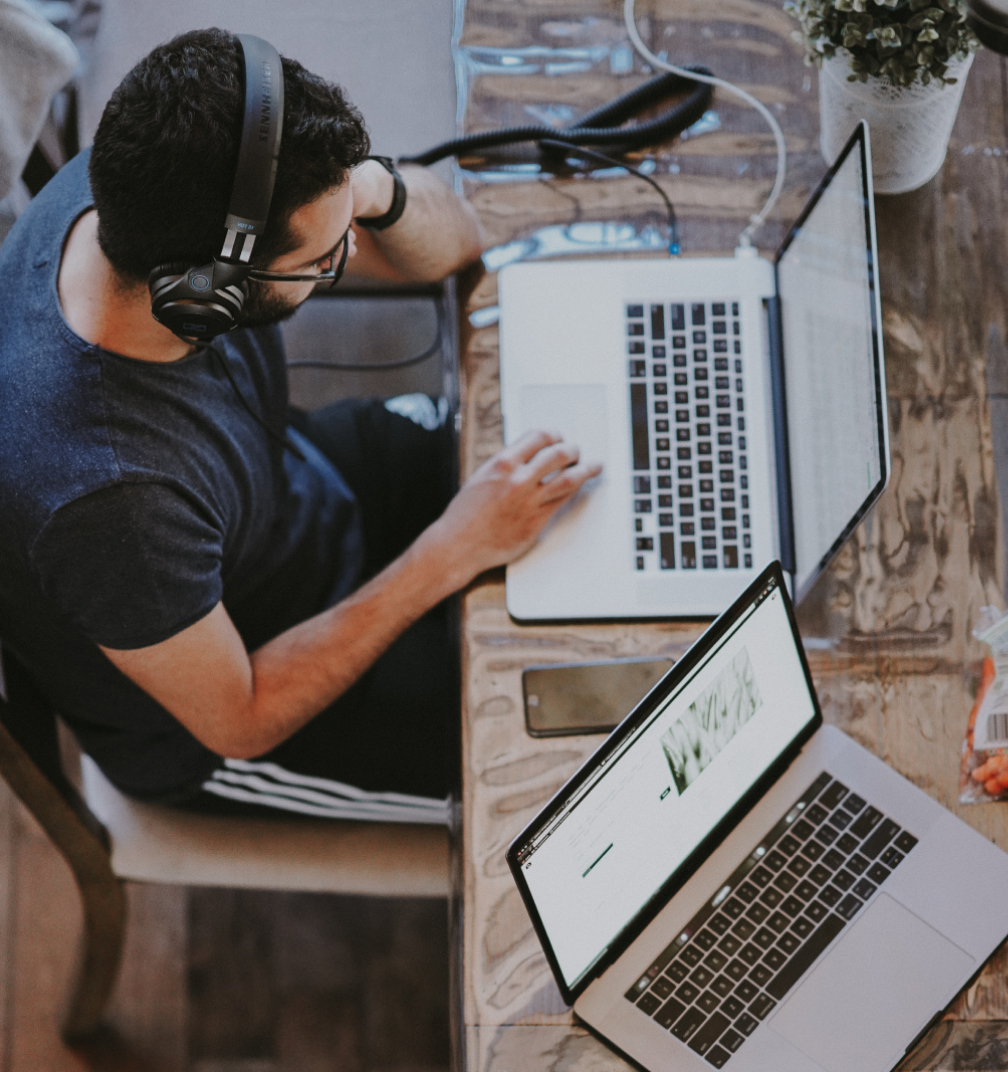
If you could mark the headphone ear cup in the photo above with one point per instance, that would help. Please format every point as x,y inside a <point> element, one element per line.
<point>186,300</point>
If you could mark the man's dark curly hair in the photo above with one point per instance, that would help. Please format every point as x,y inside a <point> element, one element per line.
<point>164,155</point>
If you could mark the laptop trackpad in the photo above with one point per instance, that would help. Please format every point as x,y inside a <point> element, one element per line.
<point>875,990</point>
<point>575,411</point>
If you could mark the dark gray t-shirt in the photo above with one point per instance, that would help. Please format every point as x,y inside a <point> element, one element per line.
<point>135,496</point>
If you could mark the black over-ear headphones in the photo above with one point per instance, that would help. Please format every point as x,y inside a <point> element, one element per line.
<point>201,302</point>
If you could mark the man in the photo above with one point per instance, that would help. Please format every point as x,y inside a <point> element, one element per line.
<point>195,577</point>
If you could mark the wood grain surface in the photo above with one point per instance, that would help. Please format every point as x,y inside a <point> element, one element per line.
<point>888,627</point>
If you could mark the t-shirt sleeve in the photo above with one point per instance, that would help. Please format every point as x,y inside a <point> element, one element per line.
<point>130,565</point>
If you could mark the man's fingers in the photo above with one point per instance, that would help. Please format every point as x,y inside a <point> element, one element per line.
<point>526,448</point>
<point>567,484</point>
<point>550,460</point>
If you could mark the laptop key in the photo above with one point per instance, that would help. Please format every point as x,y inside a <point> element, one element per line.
<point>892,856</point>
<point>746,990</point>
<point>827,834</point>
<point>711,1031</point>
<point>905,842</point>
<point>669,1013</point>
<point>649,1003</point>
<point>705,940</point>
<point>866,823</point>
<point>677,971</point>
<point>785,881</point>
<point>847,844</point>
<point>736,969</point>
<point>731,1040</point>
<point>831,796</point>
<point>816,814</point>
<point>750,954</point>
<point>830,895</point>
<point>774,860</point>
<point>687,1024</point>
<point>687,993</point>
<point>802,830</point>
<point>816,911</point>
<point>849,906</point>
<point>701,976</point>
<point>841,819</point>
<point>662,987</point>
<point>788,942</point>
<point>744,929</point>
<point>691,955</point>
<point>864,889</point>
<point>812,849</point>
<point>733,908</point>
<point>820,875</point>
<point>722,986</point>
<point>757,912</point>
<point>806,890</point>
<point>800,866</point>
<point>717,1056</point>
<point>805,957</point>
<point>761,975</point>
<point>718,924</point>
<point>833,859</point>
<point>748,892</point>
<point>775,959</point>
<point>788,845</point>
<point>715,960</point>
<point>853,803</point>
<point>878,874</point>
<point>881,837</point>
<point>746,1024</point>
<point>761,1006</point>
<point>792,906</point>
<point>802,927</point>
<point>730,944</point>
<point>843,879</point>
<point>858,864</point>
<point>771,897</point>
<point>732,1007</point>
<point>761,876</point>
<point>764,938</point>
<point>708,1002</point>
<point>778,922</point>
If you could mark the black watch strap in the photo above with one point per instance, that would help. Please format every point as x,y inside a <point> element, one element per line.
<point>379,223</point>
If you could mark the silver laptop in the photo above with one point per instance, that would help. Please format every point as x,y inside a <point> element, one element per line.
<point>738,405</point>
<point>728,882</point>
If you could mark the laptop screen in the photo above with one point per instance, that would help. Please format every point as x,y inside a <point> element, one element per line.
<point>833,372</point>
<point>641,806</point>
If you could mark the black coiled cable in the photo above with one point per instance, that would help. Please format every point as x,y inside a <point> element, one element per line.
<point>596,128</point>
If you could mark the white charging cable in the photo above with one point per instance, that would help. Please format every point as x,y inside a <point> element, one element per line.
<point>757,221</point>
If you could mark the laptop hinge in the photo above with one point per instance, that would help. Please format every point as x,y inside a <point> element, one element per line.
<point>781,455</point>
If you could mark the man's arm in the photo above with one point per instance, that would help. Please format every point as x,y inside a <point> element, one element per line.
<point>241,705</point>
<point>437,234</point>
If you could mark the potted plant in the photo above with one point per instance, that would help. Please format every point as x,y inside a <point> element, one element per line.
<point>900,64</point>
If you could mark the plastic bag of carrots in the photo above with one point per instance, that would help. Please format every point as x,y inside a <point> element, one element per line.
<point>983,775</point>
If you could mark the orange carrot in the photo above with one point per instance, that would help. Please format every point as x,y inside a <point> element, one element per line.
<point>992,768</point>
<point>993,786</point>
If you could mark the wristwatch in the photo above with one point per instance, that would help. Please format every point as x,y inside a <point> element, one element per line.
<point>379,223</point>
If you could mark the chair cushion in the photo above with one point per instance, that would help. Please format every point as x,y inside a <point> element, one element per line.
<point>154,843</point>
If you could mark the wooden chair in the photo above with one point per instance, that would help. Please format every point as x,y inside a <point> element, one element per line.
<point>107,838</point>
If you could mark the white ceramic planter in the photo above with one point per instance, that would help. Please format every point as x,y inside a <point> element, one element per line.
<point>910,127</point>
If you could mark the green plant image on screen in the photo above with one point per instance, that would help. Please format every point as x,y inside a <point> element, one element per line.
<point>692,742</point>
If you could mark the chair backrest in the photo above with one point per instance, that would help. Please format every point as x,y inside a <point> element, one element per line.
<point>30,761</point>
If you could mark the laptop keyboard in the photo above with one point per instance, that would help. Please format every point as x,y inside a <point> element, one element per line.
<point>794,893</point>
<point>687,407</point>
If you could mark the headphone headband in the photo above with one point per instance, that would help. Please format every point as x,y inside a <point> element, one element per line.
<point>260,146</point>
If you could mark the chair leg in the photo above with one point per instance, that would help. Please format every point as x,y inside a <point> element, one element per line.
<point>104,904</point>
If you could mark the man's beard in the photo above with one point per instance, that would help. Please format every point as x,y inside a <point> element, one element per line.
<point>262,308</point>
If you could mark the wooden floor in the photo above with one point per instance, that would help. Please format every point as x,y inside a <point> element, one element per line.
<point>222,980</point>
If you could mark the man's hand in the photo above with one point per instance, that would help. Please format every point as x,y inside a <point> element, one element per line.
<point>503,507</point>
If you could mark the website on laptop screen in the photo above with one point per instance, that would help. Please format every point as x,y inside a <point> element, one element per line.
<point>622,833</point>
<point>836,443</point>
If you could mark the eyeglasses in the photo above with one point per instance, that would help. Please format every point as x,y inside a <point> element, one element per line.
<point>331,273</point>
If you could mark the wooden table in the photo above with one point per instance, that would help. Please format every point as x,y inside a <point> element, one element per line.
<point>888,628</point>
